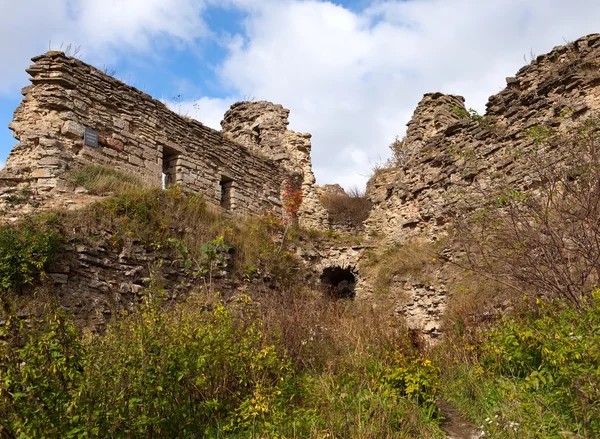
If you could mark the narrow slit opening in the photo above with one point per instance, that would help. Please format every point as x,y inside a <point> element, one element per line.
<point>226,192</point>
<point>169,167</point>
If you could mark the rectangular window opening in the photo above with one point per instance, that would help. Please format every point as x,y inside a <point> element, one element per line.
<point>226,192</point>
<point>169,167</point>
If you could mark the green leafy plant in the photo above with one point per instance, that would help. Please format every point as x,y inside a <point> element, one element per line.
<point>25,252</point>
<point>487,122</point>
<point>212,255</point>
<point>41,373</point>
<point>415,378</point>
<point>535,374</point>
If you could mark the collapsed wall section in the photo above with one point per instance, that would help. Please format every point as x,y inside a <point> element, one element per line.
<point>129,131</point>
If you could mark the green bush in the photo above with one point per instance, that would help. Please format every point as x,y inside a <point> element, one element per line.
<point>367,404</point>
<point>198,368</point>
<point>41,374</point>
<point>536,375</point>
<point>202,369</point>
<point>415,378</point>
<point>25,251</point>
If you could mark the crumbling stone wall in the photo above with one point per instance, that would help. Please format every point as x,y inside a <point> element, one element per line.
<point>136,134</point>
<point>450,157</point>
<point>344,223</point>
<point>262,127</point>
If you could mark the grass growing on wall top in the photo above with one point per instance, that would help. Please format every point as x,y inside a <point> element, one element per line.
<point>102,180</point>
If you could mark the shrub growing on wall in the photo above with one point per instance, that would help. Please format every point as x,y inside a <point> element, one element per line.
<point>350,208</point>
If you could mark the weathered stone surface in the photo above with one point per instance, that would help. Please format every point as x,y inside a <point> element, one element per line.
<point>97,280</point>
<point>140,135</point>
<point>262,127</point>
<point>449,158</point>
<point>344,226</point>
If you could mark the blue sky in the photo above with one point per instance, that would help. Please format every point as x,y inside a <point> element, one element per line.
<point>351,72</point>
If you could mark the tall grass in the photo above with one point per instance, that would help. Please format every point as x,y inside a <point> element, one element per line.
<point>274,359</point>
<point>102,180</point>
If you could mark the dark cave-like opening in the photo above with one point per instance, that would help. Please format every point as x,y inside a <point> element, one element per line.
<point>338,282</point>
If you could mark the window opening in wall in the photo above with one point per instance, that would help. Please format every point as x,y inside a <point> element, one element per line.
<point>226,192</point>
<point>169,167</point>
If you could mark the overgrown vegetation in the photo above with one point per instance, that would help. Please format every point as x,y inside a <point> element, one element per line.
<point>206,369</point>
<point>101,180</point>
<point>284,363</point>
<point>25,251</point>
<point>281,361</point>
<point>545,240</point>
<point>487,122</point>
<point>532,375</point>
<point>171,218</point>
<point>349,208</point>
<point>399,153</point>
<point>414,259</point>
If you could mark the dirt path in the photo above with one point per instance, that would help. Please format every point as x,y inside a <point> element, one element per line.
<point>455,425</point>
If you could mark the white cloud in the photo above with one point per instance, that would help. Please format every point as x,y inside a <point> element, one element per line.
<point>135,22</point>
<point>104,29</point>
<point>353,79</point>
<point>209,111</point>
<point>2,163</point>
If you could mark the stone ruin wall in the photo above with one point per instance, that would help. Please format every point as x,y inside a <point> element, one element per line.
<point>140,135</point>
<point>262,128</point>
<point>449,158</point>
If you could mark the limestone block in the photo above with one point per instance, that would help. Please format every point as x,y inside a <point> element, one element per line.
<point>41,173</point>
<point>73,129</point>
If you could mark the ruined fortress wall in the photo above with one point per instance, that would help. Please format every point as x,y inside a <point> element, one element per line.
<point>262,128</point>
<point>451,159</point>
<point>450,156</point>
<point>136,134</point>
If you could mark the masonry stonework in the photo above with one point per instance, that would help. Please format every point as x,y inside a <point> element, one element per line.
<point>451,157</point>
<point>262,128</point>
<point>448,157</point>
<point>242,169</point>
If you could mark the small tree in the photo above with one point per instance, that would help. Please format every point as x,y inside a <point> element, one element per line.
<point>399,153</point>
<point>292,198</point>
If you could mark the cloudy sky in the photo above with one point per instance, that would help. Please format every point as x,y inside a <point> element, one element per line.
<point>351,71</point>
